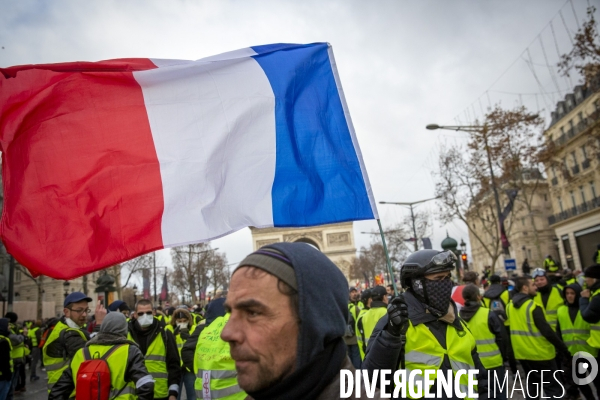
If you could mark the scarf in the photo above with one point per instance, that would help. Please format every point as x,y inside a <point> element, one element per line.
<point>310,380</point>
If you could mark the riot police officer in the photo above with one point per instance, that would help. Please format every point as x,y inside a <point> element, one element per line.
<point>435,336</point>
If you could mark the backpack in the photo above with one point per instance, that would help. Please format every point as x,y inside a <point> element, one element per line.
<point>93,377</point>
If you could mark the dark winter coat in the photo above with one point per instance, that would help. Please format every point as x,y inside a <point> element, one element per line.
<point>590,310</point>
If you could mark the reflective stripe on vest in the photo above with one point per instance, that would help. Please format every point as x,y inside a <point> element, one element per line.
<point>117,363</point>
<point>527,341</point>
<point>12,367</point>
<point>594,339</point>
<point>216,377</point>
<point>423,351</point>
<point>575,335</point>
<point>155,360</point>
<point>56,365</point>
<point>555,301</point>
<point>488,350</point>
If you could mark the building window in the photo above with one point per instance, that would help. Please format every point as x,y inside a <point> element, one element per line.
<point>573,199</point>
<point>553,172</point>
<point>523,221</point>
<point>560,205</point>
<point>580,114</point>
<point>593,188</point>
<point>574,158</point>
<point>17,275</point>
<point>562,130</point>
<point>597,105</point>
<point>582,191</point>
<point>545,197</point>
<point>529,253</point>
<point>584,152</point>
<point>570,124</point>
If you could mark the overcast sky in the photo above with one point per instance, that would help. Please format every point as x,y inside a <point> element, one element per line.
<point>403,64</point>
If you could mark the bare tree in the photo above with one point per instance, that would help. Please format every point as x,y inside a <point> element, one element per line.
<point>464,181</point>
<point>584,57</point>
<point>191,268</point>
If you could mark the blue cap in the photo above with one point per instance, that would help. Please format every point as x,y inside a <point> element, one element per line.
<point>76,297</point>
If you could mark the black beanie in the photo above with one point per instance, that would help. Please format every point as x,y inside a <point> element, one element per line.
<point>592,272</point>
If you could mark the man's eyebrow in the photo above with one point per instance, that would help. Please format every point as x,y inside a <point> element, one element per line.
<point>246,304</point>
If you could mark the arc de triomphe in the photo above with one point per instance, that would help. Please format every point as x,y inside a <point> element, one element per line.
<point>336,241</point>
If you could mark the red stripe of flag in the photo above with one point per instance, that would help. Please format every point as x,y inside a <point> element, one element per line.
<point>102,161</point>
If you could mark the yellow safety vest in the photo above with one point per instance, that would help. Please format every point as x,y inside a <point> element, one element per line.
<point>505,297</point>
<point>527,340</point>
<point>32,335</point>
<point>488,350</point>
<point>370,319</point>
<point>555,301</point>
<point>423,351</point>
<point>155,360</point>
<point>216,377</point>
<point>594,339</point>
<point>12,367</point>
<point>56,366</point>
<point>117,363</point>
<point>598,257</point>
<point>552,267</point>
<point>361,339</point>
<point>180,342</point>
<point>575,335</point>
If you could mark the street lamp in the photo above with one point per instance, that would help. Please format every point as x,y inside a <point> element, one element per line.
<point>483,130</point>
<point>412,215</point>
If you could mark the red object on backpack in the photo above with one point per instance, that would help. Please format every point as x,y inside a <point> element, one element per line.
<point>93,377</point>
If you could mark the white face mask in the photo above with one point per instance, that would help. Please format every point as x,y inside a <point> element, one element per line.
<point>182,325</point>
<point>145,320</point>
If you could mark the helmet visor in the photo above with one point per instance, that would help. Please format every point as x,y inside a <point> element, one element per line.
<point>538,272</point>
<point>441,262</point>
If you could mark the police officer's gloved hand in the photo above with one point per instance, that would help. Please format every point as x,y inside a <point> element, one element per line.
<point>397,316</point>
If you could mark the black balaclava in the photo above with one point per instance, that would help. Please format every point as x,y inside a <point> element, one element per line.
<point>323,312</point>
<point>436,295</point>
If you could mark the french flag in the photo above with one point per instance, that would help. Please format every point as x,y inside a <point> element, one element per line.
<point>105,161</point>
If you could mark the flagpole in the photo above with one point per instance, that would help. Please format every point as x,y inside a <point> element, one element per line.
<point>387,257</point>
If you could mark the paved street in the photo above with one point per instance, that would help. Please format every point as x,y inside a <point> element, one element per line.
<point>35,390</point>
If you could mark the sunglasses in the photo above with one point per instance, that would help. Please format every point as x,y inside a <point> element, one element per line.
<point>80,311</point>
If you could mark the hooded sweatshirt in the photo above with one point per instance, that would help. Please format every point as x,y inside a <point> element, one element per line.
<point>323,312</point>
<point>494,324</point>
<point>590,310</point>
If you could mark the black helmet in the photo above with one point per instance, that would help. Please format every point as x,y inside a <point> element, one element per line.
<point>423,262</point>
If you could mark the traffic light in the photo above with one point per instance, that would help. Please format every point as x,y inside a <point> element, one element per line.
<point>463,257</point>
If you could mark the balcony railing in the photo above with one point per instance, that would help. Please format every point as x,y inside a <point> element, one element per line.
<point>572,212</point>
<point>577,129</point>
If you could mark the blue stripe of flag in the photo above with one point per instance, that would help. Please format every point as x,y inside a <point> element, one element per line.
<point>318,178</point>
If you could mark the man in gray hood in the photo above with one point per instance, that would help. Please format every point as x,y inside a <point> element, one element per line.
<point>288,305</point>
<point>113,332</point>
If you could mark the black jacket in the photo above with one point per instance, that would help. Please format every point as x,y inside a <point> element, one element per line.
<point>144,338</point>
<point>384,348</point>
<point>540,322</point>
<point>67,343</point>
<point>5,374</point>
<point>135,370</point>
<point>590,310</point>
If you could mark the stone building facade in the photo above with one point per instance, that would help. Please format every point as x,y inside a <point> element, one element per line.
<point>573,139</point>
